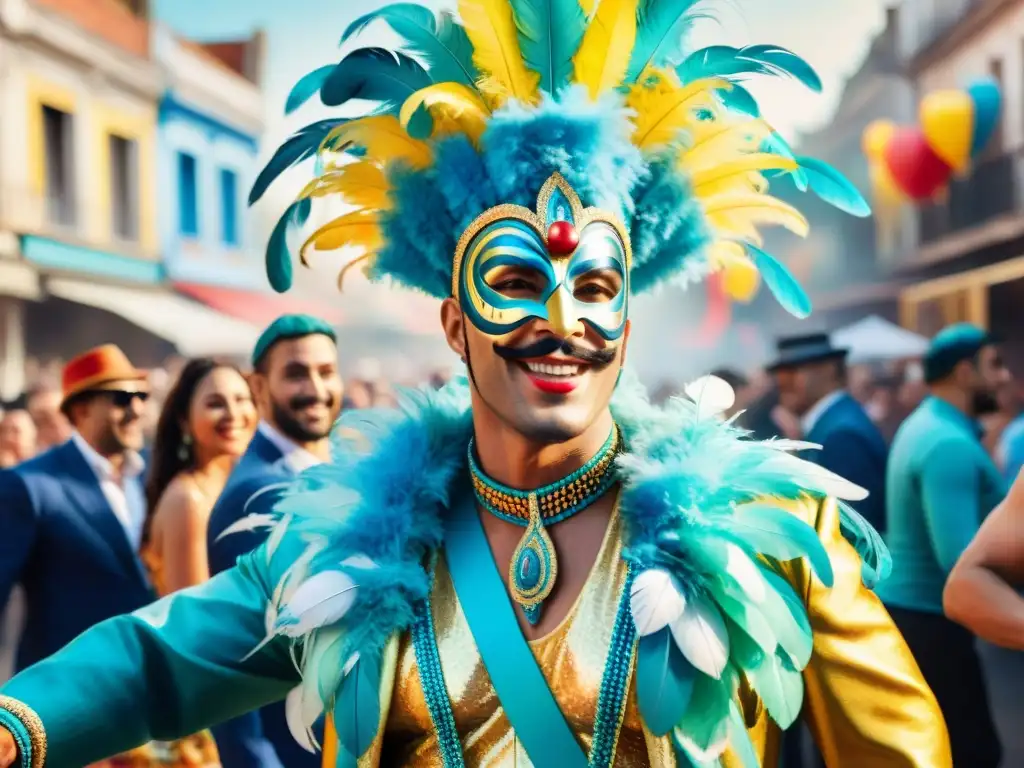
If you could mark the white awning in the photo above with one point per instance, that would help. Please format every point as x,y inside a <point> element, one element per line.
<point>876,339</point>
<point>193,328</point>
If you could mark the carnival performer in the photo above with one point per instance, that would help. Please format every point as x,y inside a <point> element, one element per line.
<point>534,565</point>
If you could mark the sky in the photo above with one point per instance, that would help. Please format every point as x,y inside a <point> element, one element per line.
<point>833,35</point>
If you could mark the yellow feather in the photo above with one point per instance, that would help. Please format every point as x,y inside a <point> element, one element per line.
<point>363,184</point>
<point>492,30</point>
<point>723,253</point>
<point>588,7</point>
<point>714,142</point>
<point>384,139</point>
<point>664,111</point>
<point>739,170</point>
<point>452,105</point>
<point>366,257</point>
<point>740,213</point>
<point>355,229</point>
<point>603,57</point>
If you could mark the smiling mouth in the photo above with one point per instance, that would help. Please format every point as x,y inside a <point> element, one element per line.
<point>556,377</point>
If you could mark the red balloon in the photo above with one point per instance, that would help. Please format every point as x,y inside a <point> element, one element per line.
<point>914,166</point>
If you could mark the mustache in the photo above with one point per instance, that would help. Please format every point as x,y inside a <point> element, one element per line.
<point>298,403</point>
<point>549,345</point>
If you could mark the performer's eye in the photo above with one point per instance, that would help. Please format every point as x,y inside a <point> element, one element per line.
<point>598,286</point>
<point>515,283</point>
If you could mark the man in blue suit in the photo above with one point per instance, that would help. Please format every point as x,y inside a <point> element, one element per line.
<point>72,518</point>
<point>298,392</point>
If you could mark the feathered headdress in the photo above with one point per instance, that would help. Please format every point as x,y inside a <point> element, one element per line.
<point>475,114</point>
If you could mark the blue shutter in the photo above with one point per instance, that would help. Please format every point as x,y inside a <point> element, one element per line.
<point>229,206</point>
<point>188,196</point>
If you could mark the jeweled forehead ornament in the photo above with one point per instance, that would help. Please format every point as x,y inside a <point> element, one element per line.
<point>561,242</point>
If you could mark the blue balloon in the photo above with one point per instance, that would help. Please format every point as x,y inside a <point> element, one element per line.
<point>987,107</point>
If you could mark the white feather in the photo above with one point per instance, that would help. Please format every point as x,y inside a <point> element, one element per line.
<point>703,756</point>
<point>742,568</point>
<point>814,477</point>
<point>359,562</point>
<point>298,706</point>
<point>655,601</point>
<point>712,395</point>
<point>701,635</point>
<point>249,523</point>
<point>321,600</point>
<point>350,664</point>
<point>785,444</point>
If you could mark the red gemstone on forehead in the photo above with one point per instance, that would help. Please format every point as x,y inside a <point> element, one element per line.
<point>562,238</point>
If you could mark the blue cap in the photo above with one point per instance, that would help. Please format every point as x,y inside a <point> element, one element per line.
<point>290,327</point>
<point>950,347</point>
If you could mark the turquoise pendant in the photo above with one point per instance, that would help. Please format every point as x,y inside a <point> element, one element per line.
<point>534,567</point>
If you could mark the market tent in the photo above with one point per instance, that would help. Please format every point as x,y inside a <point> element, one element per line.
<point>875,339</point>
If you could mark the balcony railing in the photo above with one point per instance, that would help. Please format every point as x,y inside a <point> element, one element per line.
<point>992,190</point>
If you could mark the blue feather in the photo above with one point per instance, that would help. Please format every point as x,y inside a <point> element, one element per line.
<point>412,12</point>
<point>780,535</point>
<point>780,282</point>
<point>727,61</point>
<point>740,99</point>
<point>374,74</point>
<point>662,26</point>
<point>444,45</point>
<point>301,146</point>
<point>664,681</point>
<point>550,32</point>
<point>357,706</point>
<point>876,562</point>
<point>834,188</point>
<point>303,90</point>
<point>278,257</point>
<point>777,145</point>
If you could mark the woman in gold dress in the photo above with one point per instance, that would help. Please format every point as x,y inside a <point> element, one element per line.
<point>204,428</point>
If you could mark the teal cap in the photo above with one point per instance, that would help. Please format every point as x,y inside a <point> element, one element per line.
<point>290,327</point>
<point>950,347</point>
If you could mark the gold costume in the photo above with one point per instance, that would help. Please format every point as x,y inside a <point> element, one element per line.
<point>866,701</point>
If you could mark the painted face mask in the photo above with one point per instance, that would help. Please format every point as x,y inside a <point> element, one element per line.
<point>564,263</point>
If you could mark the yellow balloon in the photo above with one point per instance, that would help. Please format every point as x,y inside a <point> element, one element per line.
<point>876,138</point>
<point>740,280</point>
<point>947,121</point>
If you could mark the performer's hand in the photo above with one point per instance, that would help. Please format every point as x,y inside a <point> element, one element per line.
<point>8,749</point>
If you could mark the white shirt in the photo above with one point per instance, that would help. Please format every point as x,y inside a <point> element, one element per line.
<point>127,498</point>
<point>296,458</point>
<point>818,410</point>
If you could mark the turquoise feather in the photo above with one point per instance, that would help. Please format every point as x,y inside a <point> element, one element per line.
<point>789,620</point>
<point>301,146</point>
<point>780,281</point>
<point>662,27</point>
<point>664,681</point>
<point>412,12</point>
<point>876,562</point>
<point>834,188</point>
<point>374,74</point>
<point>443,44</point>
<point>777,145</point>
<point>706,718</point>
<point>744,651</point>
<point>739,739</point>
<point>730,62</point>
<point>357,706</point>
<point>278,256</point>
<point>781,688</point>
<point>739,99</point>
<point>750,619</point>
<point>550,32</point>
<point>307,86</point>
<point>780,535</point>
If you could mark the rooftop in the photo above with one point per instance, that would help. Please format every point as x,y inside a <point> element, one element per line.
<point>110,20</point>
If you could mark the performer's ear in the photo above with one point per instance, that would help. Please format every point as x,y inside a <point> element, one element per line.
<point>453,322</point>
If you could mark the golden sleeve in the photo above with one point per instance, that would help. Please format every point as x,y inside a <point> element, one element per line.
<point>866,701</point>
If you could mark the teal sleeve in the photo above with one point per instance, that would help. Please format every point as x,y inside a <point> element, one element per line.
<point>951,496</point>
<point>171,669</point>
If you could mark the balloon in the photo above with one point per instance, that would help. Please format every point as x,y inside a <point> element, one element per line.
<point>915,168</point>
<point>876,138</point>
<point>987,101</point>
<point>740,280</point>
<point>947,121</point>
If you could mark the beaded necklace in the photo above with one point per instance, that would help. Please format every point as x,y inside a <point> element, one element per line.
<point>534,566</point>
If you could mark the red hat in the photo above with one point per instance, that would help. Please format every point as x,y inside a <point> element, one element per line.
<point>104,367</point>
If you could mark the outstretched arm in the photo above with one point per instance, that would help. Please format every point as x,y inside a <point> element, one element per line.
<point>170,669</point>
<point>867,703</point>
<point>980,592</point>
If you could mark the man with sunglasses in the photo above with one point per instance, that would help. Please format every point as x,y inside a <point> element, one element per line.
<point>72,517</point>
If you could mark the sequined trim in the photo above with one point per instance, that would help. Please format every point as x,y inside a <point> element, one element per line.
<point>33,725</point>
<point>611,702</point>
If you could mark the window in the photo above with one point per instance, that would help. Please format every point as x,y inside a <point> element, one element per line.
<point>188,196</point>
<point>229,206</point>
<point>124,160</point>
<point>995,144</point>
<point>58,146</point>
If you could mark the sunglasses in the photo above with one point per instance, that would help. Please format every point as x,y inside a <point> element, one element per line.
<point>121,398</point>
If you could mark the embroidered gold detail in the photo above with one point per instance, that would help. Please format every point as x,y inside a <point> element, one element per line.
<point>34,726</point>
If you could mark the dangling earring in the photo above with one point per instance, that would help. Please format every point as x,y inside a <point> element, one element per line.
<point>184,450</point>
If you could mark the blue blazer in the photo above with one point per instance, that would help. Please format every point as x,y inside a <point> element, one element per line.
<point>61,540</point>
<point>260,739</point>
<point>853,447</point>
